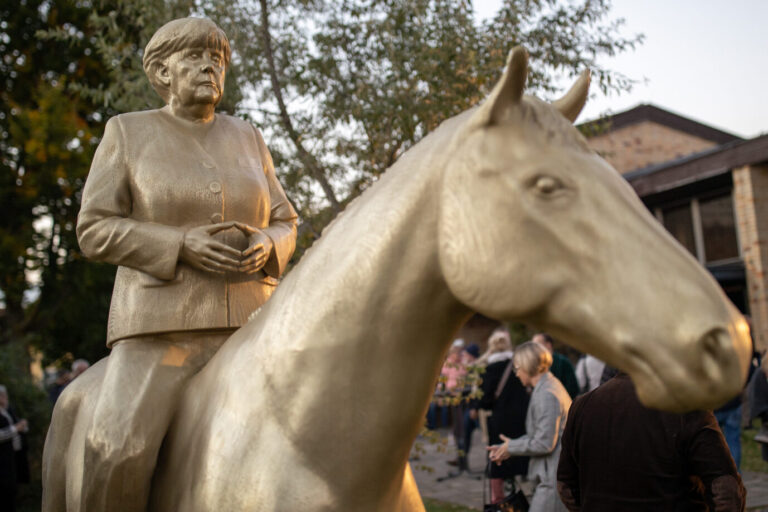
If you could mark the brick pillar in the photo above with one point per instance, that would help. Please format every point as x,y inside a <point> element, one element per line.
<point>750,197</point>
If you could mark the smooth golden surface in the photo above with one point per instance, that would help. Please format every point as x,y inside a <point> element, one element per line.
<point>314,404</point>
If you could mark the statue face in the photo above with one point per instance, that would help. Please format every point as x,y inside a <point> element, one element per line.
<point>196,76</point>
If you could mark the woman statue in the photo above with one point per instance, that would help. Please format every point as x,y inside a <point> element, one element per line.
<point>185,201</point>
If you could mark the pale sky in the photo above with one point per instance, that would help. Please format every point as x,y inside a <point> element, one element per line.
<point>703,59</point>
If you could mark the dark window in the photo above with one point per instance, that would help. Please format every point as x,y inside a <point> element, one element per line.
<point>679,223</point>
<point>719,228</point>
<point>737,293</point>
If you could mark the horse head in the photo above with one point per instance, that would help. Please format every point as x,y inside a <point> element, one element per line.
<point>576,253</point>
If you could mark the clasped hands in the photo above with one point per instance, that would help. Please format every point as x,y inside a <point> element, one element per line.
<point>204,252</point>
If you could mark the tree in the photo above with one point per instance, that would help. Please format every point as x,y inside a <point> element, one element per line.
<point>340,87</point>
<point>47,134</point>
<point>358,82</point>
<point>46,138</point>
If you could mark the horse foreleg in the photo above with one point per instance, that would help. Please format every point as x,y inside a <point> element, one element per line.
<point>55,454</point>
<point>410,498</point>
<point>65,442</point>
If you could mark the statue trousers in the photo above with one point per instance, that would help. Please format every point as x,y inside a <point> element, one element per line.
<point>144,380</point>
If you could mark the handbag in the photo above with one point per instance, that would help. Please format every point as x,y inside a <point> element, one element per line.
<point>515,502</point>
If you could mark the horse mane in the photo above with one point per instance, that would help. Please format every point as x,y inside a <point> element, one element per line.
<point>404,168</point>
<point>531,110</point>
<point>351,241</point>
<point>559,131</point>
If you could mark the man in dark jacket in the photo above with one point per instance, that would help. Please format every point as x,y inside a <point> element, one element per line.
<point>619,455</point>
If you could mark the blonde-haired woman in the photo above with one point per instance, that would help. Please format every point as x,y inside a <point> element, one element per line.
<point>544,424</point>
<point>499,348</point>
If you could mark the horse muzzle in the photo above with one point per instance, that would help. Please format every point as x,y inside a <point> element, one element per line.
<point>703,375</point>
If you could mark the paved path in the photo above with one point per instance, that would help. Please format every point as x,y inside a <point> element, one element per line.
<point>467,489</point>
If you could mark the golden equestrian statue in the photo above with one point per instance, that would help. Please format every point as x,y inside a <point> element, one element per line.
<point>314,404</point>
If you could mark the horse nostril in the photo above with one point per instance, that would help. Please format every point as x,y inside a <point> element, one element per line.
<point>714,346</point>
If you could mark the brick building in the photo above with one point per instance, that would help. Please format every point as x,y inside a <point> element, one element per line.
<point>709,189</point>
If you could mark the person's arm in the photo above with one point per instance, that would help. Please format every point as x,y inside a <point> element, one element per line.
<point>9,432</point>
<point>281,231</point>
<point>568,467</point>
<point>543,439</point>
<point>710,459</point>
<point>105,230</point>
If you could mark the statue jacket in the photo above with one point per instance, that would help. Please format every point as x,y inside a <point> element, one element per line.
<point>153,177</point>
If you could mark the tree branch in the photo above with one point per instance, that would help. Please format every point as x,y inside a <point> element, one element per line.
<point>311,163</point>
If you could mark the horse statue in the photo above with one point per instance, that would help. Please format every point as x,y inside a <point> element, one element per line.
<point>503,210</point>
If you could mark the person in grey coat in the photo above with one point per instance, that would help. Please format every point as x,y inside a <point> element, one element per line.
<point>544,424</point>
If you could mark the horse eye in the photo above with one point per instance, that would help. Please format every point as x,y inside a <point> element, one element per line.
<point>547,185</point>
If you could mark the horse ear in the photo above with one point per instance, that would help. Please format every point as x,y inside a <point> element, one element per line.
<point>571,104</point>
<point>507,92</point>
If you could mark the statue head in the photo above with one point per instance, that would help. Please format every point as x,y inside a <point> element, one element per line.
<point>175,37</point>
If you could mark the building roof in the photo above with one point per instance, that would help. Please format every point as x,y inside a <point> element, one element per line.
<point>646,112</point>
<point>698,166</point>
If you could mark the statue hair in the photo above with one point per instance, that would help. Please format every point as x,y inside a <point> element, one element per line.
<point>179,35</point>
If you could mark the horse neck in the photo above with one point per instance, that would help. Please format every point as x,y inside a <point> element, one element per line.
<point>373,281</point>
<point>362,323</point>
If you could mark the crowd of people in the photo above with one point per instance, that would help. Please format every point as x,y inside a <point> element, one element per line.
<point>62,377</point>
<point>581,438</point>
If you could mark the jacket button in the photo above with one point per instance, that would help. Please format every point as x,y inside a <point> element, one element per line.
<point>216,218</point>
<point>215,187</point>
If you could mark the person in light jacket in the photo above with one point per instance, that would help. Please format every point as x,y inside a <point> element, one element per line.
<point>544,424</point>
